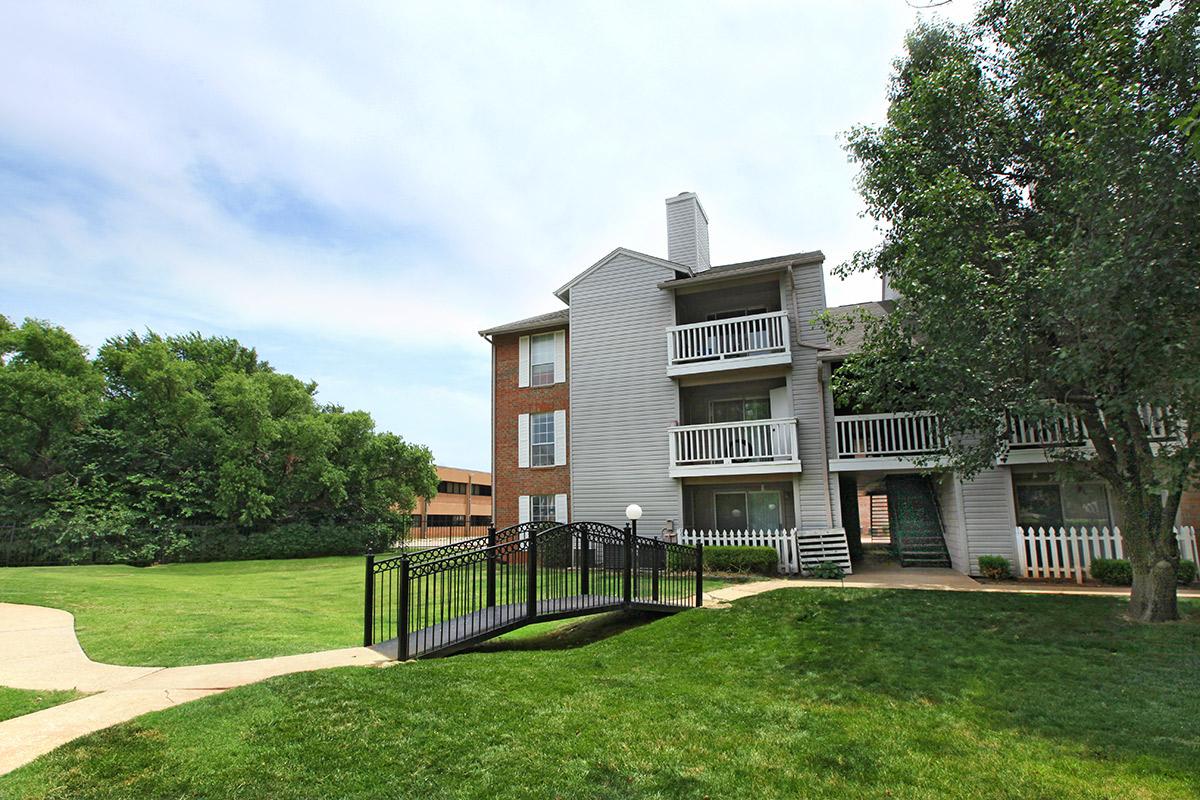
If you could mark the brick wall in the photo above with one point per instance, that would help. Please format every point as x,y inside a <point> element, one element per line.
<point>1189,509</point>
<point>509,481</point>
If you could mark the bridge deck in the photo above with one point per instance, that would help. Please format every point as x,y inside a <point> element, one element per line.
<point>486,623</point>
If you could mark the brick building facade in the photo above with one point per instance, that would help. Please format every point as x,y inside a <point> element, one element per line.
<point>514,484</point>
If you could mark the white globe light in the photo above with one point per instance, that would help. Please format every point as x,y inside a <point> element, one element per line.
<point>633,511</point>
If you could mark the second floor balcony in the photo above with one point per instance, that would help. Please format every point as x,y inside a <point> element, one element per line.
<point>754,340</point>
<point>753,447</point>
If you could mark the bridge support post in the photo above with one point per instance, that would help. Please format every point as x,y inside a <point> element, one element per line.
<point>402,613</point>
<point>699,574</point>
<point>585,565</point>
<point>531,573</point>
<point>654,572</point>
<point>627,586</point>
<point>491,567</point>
<point>369,603</point>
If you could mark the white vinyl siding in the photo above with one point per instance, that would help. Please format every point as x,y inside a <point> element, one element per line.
<point>523,361</point>
<point>560,508</point>
<point>989,516</point>
<point>523,440</point>
<point>560,438</point>
<point>622,401</point>
<point>949,497</point>
<point>523,508</point>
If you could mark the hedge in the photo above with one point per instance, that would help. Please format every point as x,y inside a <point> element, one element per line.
<point>1119,572</point>
<point>995,567</point>
<point>741,560</point>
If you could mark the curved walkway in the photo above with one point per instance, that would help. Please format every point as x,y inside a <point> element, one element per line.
<point>39,650</point>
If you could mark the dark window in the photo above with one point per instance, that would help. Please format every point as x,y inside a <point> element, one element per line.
<point>481,489</point>
<point>1044,502</point>
<point>480,520</point>
<point>446,520</point>
<point>451,487</point>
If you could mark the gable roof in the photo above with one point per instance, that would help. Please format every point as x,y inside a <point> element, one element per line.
<point>564,291</point>
<point>853,340</point>
<point>761,266</point>
<point>560,317</point>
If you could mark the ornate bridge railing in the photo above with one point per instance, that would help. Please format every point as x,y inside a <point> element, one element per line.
<point>438,600</point>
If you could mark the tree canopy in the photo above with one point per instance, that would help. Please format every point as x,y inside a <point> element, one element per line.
<point>161,434</point>
<point>1039,202</point>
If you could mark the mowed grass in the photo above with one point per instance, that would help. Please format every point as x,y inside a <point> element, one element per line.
<point>179,614</point>
<point>18,702</point>
<point>818,693</point>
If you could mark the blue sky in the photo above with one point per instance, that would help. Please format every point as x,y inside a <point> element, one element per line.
<point>356,191</point>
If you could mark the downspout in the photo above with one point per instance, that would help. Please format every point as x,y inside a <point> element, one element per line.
<point>824,445</point>
<point>491,425</point>
<point>821,408</point>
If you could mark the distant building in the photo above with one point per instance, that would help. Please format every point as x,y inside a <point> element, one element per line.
<point>463,501</point>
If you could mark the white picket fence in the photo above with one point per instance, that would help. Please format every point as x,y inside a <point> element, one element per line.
<point>1068,552</point>
<point>799,549</point>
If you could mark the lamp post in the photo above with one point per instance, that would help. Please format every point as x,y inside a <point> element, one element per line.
<point>633,512</point>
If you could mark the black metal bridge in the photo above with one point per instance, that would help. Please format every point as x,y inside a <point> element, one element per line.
<point>436,601</point>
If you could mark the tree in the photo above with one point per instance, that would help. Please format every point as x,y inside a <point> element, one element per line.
<point>1040,211</point>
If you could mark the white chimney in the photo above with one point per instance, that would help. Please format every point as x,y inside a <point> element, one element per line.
<point>687,231</point>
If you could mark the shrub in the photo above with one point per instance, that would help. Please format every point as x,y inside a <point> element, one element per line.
<point>995,567</point>
<point>1187,572</point>
<point>1113,571</point>
<point>741,560</point>
<point>830,570</point>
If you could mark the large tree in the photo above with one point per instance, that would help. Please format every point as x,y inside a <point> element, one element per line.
<point>1040,212</point>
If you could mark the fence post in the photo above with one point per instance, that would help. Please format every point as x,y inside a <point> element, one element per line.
<point>531,576</point>
<point>402,613</point>
<point>699,573</point>
<point>585,568</point>
<point>627,587</point>
<point>369,603</point>
<point>654,572</point>
<point>491,566</point>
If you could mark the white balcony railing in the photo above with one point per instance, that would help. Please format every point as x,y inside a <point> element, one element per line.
<point>728,339</point>
<point>888,435</point>
<point>901,435</point>
<point>765,441</point>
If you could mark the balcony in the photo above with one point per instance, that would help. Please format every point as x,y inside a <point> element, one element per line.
<point>757,340</point>
<point>735,448</point>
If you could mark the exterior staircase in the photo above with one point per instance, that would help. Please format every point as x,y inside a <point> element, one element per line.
<point>916,522</point>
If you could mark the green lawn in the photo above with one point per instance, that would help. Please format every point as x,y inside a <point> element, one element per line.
<point>18,702</point>
<point>820,693</point>
<point>180,614</point>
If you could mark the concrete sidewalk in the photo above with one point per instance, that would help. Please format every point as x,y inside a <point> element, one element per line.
<point>39,650</point>
<point>890,575</point>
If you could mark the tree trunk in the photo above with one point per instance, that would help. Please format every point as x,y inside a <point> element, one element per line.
<point>1153,555</point>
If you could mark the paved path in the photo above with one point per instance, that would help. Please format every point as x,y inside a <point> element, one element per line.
<point>39,650</point>
<point>893,576</point>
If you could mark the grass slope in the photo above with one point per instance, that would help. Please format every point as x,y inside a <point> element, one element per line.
<point>796,693</point>
<point>179,614</point>
<point>199,613</point>
<point>18,702</point>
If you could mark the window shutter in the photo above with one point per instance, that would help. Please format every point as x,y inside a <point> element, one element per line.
<point>523,362</point>
<point>523,508</point>
<point>560,508</point>
<point>560,356</point>
<point>522,440</point>
<point>560,438</point>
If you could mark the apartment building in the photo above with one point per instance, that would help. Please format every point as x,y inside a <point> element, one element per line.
<point>702,393</point>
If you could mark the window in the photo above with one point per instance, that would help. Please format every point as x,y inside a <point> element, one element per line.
<point>756,511</point>
<point>451,487</point>
<point>1043,502</point>
<point>750,408</point>
<point>446,520</point>
<point>541,359</point>
<point>481,490</point>
<point>541,439</point>
<point>541,508</point>
<point>480,520</point>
